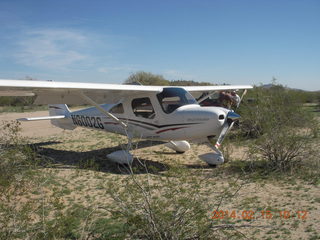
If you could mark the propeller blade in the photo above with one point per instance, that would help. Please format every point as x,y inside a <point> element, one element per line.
<point>243,94</point>
<point>223,134</point>
<point>230,119</point>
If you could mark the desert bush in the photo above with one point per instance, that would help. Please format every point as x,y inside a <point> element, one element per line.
<point>271,109</point>
<point>281,127</point>
<point>26,212</point>
<point>283,149</point>
<point>17,160</point>
<point>173,205</point>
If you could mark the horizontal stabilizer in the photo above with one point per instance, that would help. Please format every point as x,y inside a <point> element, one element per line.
<point>42,118</point>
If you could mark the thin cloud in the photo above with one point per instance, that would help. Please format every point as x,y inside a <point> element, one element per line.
<point>51,48</point>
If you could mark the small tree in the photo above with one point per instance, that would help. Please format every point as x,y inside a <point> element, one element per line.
<point>147,78</point>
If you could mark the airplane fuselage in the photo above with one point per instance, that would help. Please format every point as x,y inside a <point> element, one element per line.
<point>185,123</point>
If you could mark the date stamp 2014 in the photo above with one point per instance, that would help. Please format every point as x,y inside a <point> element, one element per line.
<point>264,214</point>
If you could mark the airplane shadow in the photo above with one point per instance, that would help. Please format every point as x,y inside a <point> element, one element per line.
<point>200,166</point>
<point>167,153</point>
<point>96,159</point>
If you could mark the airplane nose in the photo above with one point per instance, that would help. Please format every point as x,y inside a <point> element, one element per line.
<point>229,117</point>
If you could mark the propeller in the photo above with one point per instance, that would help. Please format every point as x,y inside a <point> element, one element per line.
<point>228,124</point>
<point>217,158</point>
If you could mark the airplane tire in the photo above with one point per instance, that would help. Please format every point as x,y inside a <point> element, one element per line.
<point>178,152</point>
<point>212,165</point>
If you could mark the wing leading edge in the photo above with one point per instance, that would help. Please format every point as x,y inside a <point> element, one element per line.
<point>69,92</point>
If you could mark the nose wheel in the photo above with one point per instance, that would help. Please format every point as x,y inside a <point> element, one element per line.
<point>213,158</point>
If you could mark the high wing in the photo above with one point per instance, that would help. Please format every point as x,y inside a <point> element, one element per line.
<point>72,92</point>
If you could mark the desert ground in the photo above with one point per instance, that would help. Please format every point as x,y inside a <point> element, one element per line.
<point>76,153</point>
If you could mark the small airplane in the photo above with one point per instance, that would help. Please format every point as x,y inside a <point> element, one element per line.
<point>164,113</point>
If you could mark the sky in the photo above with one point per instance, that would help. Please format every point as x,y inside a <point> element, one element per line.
<point>217,41</point>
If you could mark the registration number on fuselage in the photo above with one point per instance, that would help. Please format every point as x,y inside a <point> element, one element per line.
<point>87,121</point>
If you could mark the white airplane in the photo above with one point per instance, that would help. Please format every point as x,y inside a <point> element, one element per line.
<point>164,113</point>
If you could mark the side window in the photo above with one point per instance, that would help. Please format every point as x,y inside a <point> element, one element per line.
<point>117,108</point>
<point>142,107</point>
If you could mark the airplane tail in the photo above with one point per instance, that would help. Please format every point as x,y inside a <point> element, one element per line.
<point>61,110</point>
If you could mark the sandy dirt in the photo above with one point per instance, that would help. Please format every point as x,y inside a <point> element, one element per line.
<point>68,148</point>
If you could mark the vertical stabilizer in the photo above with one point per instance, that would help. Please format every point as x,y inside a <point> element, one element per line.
<point>58,110</point>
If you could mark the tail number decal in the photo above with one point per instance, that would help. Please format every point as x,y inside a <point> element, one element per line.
<point>87,121</point>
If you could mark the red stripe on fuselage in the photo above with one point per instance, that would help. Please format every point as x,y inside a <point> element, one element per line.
<point>172,129</point>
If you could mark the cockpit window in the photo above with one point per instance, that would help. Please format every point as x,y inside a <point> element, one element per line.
<point>172,98</point>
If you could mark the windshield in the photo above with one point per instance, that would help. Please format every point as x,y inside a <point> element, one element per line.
<point>172,98</point>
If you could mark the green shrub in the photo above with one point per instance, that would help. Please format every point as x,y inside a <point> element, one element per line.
<point>281,127</point>
<point>272,109</point>
<point>17,160</point>
<point>17,176</point>
<point>283,149</point>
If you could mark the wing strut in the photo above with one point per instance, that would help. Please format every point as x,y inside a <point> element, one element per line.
<point>108,114</point>
<point>205,97</point>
